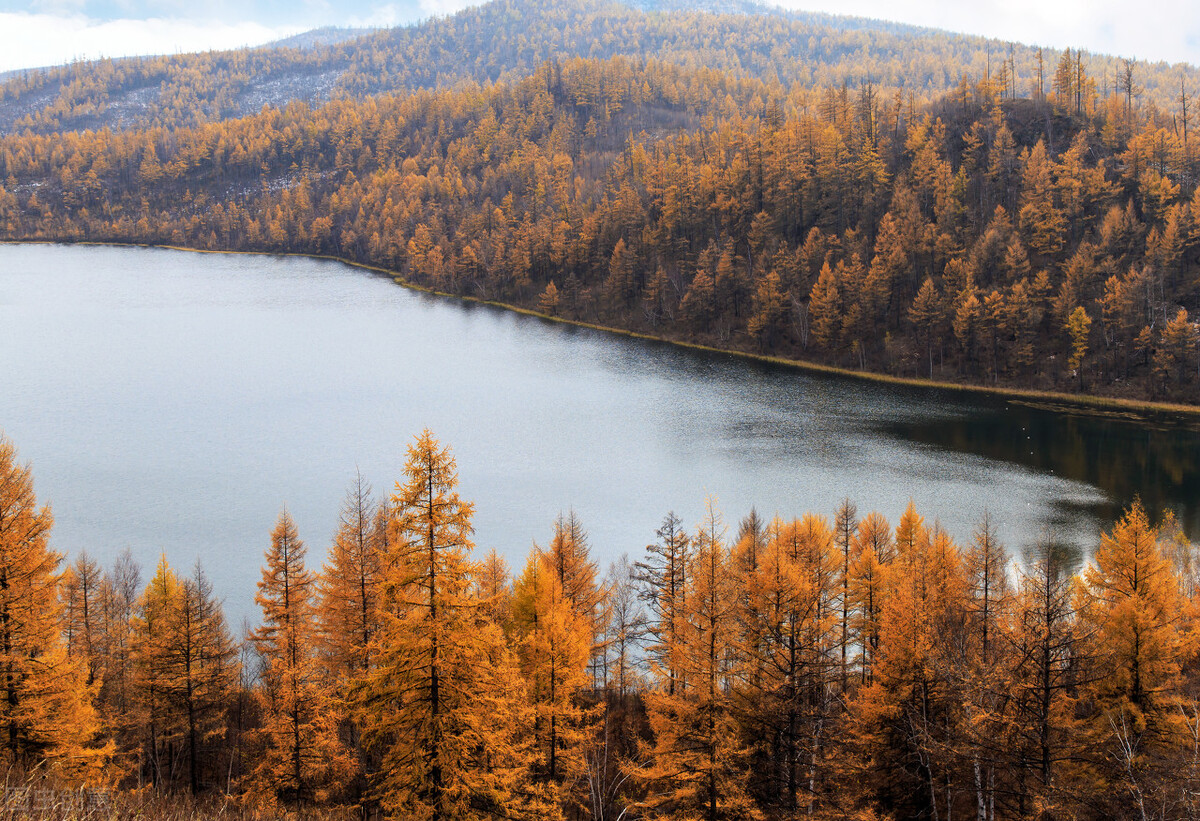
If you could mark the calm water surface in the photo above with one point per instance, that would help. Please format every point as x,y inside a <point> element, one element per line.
<point>174,402</point>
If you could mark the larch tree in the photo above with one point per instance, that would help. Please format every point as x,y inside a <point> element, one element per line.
<point>554,647</point>
<point>809,543</point>
<point>120,592</point>
<point>696,760</point>
<point>985,681</point>
<point>348,592</point>
<point>150,648</point>
<point>349,583</point>
<point>1129,600</point>
<point>873,549</point>
<point>568,558</point>
<point>746,556</point>
<point>302,760</point>
<point>82,591</point>
<point>663,577</point>
<point>46,713</point>
<point>625,628</point>
<point>442,703</point>
<point>200,675</point>
<point>1175,360</point>
<point>768,321</point>
<point>906,723</point>
<point>1130,595</point>
<point>613,743</point>
<point>1078,326</point>
<point>825,307</point>
<point>774,704</point>
<point>1044,640</point>
<point>494,589</point>
<point>1041,218</point>
<point>845,525</point>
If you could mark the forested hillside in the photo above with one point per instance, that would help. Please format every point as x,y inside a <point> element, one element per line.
<point>829,668</point>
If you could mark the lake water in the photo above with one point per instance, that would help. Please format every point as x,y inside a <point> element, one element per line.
<point>175,402</point>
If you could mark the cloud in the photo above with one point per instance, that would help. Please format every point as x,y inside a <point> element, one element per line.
<point>444,8</point>
<point>33,40</point>
<point>387,15</point>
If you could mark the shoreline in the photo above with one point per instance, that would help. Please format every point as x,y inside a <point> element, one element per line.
<point>1090,404</point>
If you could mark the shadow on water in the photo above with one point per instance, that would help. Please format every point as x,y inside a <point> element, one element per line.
<point>1154,460</point>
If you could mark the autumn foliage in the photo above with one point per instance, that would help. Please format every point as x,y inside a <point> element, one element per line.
<point>831,669</point>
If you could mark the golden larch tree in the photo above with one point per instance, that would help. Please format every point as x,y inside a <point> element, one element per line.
<point>906,723</point>
<point>776,661</point>
<point>1046,645</point>
<point>494,589</point>
<point>663,576</point>
<point>348,592</point>
<point>150,648</point>
<point>46,713</point>
<point>199,672</point>
<point>302,760</point>
<point>442,703</point>
<point>81,592</point>
<point>697,761</point>
<point>1138,637</point>
<point>568,557</point>
<point>349,583</point>
<point>874,549</point>
<point>554,647</point>
<point>120,593</point>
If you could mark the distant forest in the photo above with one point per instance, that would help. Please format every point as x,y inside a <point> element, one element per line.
<point>811,668</point>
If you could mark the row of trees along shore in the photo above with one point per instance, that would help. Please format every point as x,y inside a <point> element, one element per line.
<point>781,669</point>
<point>1048,241</point>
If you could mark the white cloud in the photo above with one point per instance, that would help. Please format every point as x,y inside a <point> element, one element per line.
<point>33,40</point>
<point>443,8</point>
<point>383,16</point>
<point>1150,29</point>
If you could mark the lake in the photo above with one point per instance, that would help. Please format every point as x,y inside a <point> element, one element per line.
<point>174,403</point>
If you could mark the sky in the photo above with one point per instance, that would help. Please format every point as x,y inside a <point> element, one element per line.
<point>50,32</point>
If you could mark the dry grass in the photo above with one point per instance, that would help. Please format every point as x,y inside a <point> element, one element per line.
<point>42,799</point>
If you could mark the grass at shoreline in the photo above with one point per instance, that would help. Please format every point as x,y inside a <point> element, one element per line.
<point>1091,404</point>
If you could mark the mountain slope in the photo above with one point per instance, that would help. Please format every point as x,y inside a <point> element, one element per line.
<point>510,38</point>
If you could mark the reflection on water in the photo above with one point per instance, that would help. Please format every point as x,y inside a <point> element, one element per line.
<point>174,402</point>
<point>1157,461</point>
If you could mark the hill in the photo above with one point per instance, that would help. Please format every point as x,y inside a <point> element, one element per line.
<point>509,39</point>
